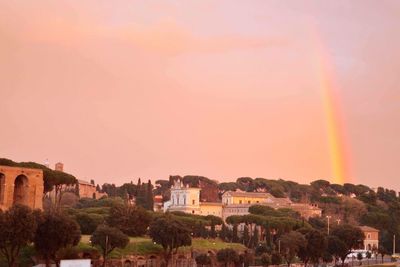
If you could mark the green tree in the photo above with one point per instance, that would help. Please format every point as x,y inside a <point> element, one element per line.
<point>351,236</point>
<point>235,237</point>
<point>88,222</point>
<point>246,236</point>
<point>54,232</point>
<point>254,238</point>
<point>214,220</point>
<point>337,248</point>
<point>108,238</point>
<point>382,251</point>
<point>17,229</point>
<point>131,220</point>
<point>170,233</point>
<point>203,260</point>
<point>276,258</point>
<point>316,246</point>
<point>291,244</point>
<point>266,259</point>
<point>230,186</point>
<point>149,196</point>
<point>225,233</point>
<point>227,256</point>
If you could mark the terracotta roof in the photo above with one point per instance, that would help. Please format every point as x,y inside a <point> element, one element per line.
<point>368,229</point>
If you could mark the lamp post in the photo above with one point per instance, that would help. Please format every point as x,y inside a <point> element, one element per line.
<point>394,244</point>
<point>279,246</point>
<point>328,217</point>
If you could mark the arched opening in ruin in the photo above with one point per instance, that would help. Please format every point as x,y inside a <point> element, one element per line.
<point>2,187</point>
<point>21,188</point>
<point>127,263</point>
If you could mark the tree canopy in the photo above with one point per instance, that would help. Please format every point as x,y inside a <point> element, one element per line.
<point>17,229</point>
<point>108,238</point>
<point>54,232</point>
<point>170,233</point>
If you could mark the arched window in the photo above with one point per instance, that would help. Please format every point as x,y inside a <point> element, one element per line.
<point>21,190</point>
<point>2,187</point>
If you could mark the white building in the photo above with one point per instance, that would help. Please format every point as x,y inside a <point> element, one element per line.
<point>187,199</point>
<point>183,198</point>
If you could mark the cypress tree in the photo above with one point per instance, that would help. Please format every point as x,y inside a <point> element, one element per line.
<point>149,196</point>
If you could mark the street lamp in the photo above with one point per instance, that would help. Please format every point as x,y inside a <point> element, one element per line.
<point>394,244</point>
<point>328,217</point>
<point>279,246</point>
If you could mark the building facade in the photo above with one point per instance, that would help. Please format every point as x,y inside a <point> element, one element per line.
<point>371,240</point>
<point>21,186</point>
<point>187,199</point>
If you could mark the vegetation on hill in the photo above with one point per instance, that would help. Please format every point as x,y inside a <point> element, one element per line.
<point>263,231</point>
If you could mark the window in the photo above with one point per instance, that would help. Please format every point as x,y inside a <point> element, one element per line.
<point>193,202</point>
<point>240,202</point>
<point>2,187</point>
<point>258,201</point>
<point>249,202</point>
<point>193,211</point>
<point>369,236</point>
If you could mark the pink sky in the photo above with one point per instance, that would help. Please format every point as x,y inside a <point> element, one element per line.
<point>124,89</point>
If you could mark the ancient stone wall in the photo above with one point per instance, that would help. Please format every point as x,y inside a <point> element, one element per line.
<point>21,186</point>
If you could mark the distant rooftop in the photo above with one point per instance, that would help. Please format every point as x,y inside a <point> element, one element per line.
<point>249,194</point>
<point>368,229</point>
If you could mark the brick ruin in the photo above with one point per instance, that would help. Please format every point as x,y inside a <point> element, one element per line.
<point>20,186</point>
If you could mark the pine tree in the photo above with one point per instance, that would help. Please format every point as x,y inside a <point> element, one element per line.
<point>246,236</point>
<point>224,233</point>
<point>254,238</point>
<point>213,234</point>
<point>235,237</point>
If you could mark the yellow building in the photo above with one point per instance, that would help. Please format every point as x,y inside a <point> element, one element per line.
<point>238,198</point>
<point>211,208</point>
<point>187,199</point>
<point>238,203</point>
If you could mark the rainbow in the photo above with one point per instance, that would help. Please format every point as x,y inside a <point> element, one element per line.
<point>338,148</point>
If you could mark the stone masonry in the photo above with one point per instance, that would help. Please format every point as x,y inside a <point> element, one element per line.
<point>20,186</point>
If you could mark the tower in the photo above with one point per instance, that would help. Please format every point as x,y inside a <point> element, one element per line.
<point>59,166</point>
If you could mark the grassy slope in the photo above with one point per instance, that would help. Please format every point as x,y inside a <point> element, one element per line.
<point>144,246</point>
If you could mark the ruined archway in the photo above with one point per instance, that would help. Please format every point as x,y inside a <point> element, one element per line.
<point>21,193</point>
<point>2,187</point>
<point>127,263</point>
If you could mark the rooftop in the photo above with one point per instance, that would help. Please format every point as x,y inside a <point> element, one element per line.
<point>368,229</point>
<point>249,194</point>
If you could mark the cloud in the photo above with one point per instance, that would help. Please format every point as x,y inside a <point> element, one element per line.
<point>167,37</point>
